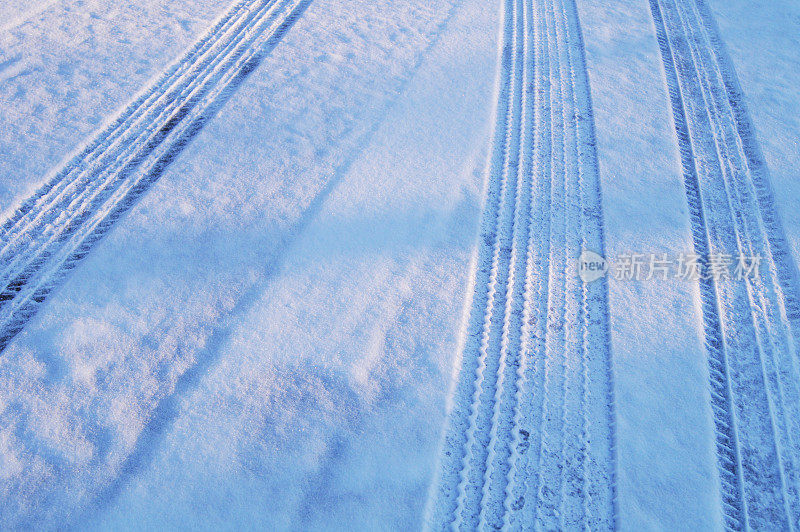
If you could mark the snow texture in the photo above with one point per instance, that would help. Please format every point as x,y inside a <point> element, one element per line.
<point>312,265</point>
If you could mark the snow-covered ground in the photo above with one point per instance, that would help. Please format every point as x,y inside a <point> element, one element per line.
<point>325,275</point>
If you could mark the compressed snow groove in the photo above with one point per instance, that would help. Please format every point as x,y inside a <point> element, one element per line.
<point>57,226</point>
<point>752,327</point>
<point>530,439</point>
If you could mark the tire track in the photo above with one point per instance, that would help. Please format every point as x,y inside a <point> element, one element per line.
<point>530,435</point>
<point>58,225</point>
<point>69,195</point>
<point>751,326</point>
<point>551,459</point>
<point>112,154</point>
<point>102,141</point>
<point>502,426</point>
<point>494,333</point>
<point>599,483</point>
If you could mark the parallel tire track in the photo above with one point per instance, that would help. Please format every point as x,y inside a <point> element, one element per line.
<point>140,138</point>
<point>752,328</point>
<point>100,143</point>
<point>530,436</point>
<point>50,232</point>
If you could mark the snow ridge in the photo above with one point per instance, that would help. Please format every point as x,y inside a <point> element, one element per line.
<point>752,328</point>
<point>57,226</point>
<point>530,438</point>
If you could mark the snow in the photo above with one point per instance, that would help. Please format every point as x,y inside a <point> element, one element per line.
<point>270,337</point>
<point>68,66</point>
<point>314,278</point>
<point>765,46</point>
<point>326,373</point>
<point>664,429</point>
